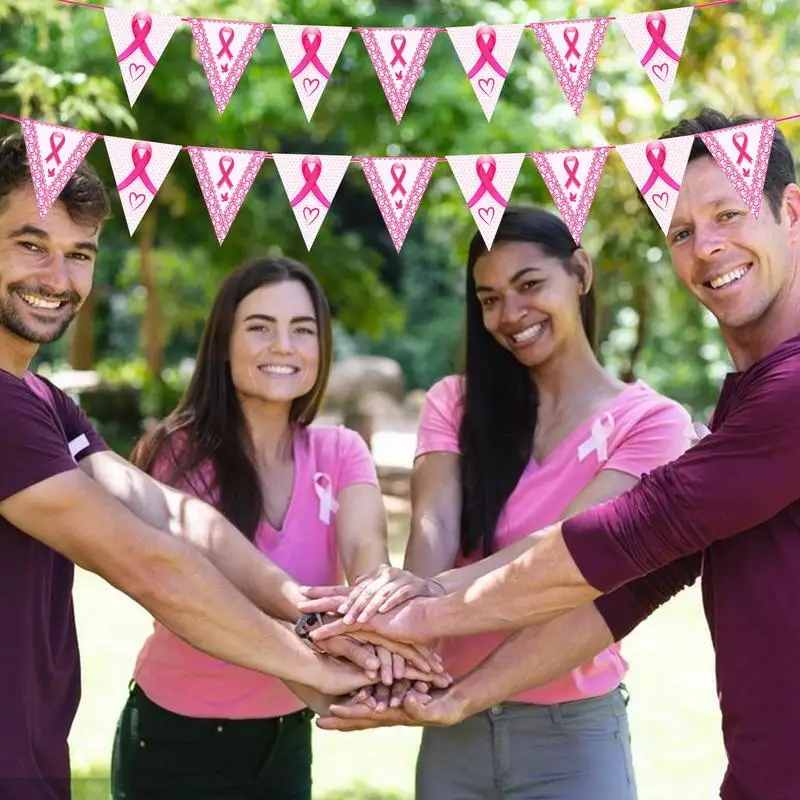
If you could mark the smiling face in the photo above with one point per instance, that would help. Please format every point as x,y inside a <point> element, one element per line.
<point>274,347</point>
<point>740,268</point>
<point>46,268</point>
<point>530,302</point>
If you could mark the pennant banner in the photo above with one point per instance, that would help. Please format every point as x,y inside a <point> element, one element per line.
<point>225,178</point>
<point>657,39</point>
<point>225,50</point>
<point>486,182</point>
<point>572,49</point>
<point>139,41</point>
<point>139,170</point>
<point>486,52</point>
<point>311,55</point>
<point>398,185</point>
<point>398,55</point>
<point>572,176</point>
<point>742,153</point>
<point>657,168</point>
<point>311,182</point>
<point>54,153</point>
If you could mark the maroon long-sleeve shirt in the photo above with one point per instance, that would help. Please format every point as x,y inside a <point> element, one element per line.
<point>731,506</point>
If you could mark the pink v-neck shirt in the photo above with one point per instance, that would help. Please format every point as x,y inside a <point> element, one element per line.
<point>634,433</point>
<point>186,681</point>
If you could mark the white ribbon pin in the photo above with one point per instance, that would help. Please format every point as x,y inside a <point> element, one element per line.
<point>323,486</point>
<point>696,432</point>
<point>78,445</point>
<point>602,428</point>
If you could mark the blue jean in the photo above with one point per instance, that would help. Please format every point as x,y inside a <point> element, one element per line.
<point>515,751</point>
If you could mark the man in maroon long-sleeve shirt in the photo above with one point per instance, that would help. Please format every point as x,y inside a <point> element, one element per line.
<point>730,505</point>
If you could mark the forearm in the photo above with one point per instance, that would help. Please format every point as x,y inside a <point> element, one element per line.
<point>432,546</point>
<point>533,657</point>
<point>365,557</point>
<point>537,586</point>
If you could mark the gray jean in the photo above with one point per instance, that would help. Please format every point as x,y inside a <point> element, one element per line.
<point>516,751</point>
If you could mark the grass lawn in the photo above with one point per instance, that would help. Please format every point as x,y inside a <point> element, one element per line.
<point>674,717</point>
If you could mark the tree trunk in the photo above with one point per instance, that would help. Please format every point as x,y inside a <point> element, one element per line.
<point>152,333</point>
<point>81,344</point>
<point>642,305</point>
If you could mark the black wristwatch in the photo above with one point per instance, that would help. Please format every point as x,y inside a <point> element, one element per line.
<point>306,624</point>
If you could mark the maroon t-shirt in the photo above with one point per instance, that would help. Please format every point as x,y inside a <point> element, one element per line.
<point>40,430</point>
<point>730,505</point>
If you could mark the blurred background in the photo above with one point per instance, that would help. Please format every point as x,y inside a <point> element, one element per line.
<point>398,317</point>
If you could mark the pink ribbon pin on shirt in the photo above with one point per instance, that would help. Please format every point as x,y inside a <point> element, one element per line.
<point>323,486</point>
<point>602,428</point>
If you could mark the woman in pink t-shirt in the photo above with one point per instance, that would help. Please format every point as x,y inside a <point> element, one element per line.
<point>535,430</point>
<point>306,496</point>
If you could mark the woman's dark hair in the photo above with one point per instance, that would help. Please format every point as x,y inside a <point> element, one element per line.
<point>500,398</point>
<point>208,424</point>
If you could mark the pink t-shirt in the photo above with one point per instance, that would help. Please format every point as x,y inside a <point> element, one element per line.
<point>186,681</point>
<point>634,433</point>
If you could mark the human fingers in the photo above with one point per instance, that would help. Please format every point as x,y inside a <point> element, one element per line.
<point>398,692</point>
<point>362,593</point>
<point>384,596</point>
<point>317,592</point>
<point>385,657</point>
<point>398,666</point>
<point>382,696</point>
<point>360,653</point>
<point>421,657</point>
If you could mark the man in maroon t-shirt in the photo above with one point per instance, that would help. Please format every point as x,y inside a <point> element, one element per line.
<point>64,498</point>
<point>730,505</point>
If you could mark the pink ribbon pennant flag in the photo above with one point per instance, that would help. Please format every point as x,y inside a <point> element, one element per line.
<point>572,177</point>
<point>225,178</point>
<point>657,168</point>
<point>486,52</point>
<point>311,54</point>
<point>311,183</point>
<point>139,170</point>
<point>398,185</point>
<point>486,181</point>
<point>398,55</point>
<point>225,50</point>
<point>54,153</point>
<point>139,40</point>
<point>657,38</point>
<point>572,48</point>
<point>742,153</point>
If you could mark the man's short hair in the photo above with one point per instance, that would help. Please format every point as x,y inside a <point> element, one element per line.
<point>780,169</point>
<point>84,196</point>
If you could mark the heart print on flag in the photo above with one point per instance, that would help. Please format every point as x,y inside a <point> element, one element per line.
<point>486,53</point>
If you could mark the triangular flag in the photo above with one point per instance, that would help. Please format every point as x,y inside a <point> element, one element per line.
<point>398,185</point>
<point>572,177</point>
<point>54,153</point>
<point>486,52</point>
<point>139,40</point>
<point>657,168</point>
<point>225,50</point>
<point>139,170</point>
<point>311,183</point>
<point>657,38</point>
<point>571,48</point>
<point>486,183</point>
<point>311,54</point>
<point>225,178</point>
<point>742,153</point>
<point>398,55</point>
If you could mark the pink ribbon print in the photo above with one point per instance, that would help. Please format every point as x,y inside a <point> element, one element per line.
<point>311,39</point>
<point>141,153</point>
<point>656,25</point>
<point>226,164</point>
<point>398,175</point>
<point>486,39</point>
<point>571,165</point>
<point>141,25</point>
<point>657,157</point>
<point>571,36</point>
<point>486,168</point>
<point>740,142</point>
<point>398,42</point>
<point>311,170</point>
<point>57,141</point>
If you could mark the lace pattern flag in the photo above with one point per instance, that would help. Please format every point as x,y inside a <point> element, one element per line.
<point>139,170</point>
<point>486,53</point>
<point>486,181</point>
<point>657,38</point>
<point>311,54</point>
<point>572,48</point>
<point>225,178</point>
<point>54,153</point>
<point>311,183</point>
<point>657,168</point>
<point>398,55</point>
<point>398,185</point>
<point>225,50</point>
<point>742,153</point>
<point>139,39</point>
<point>572,176</point>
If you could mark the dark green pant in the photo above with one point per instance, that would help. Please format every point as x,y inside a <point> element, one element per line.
<point>159,755</point>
